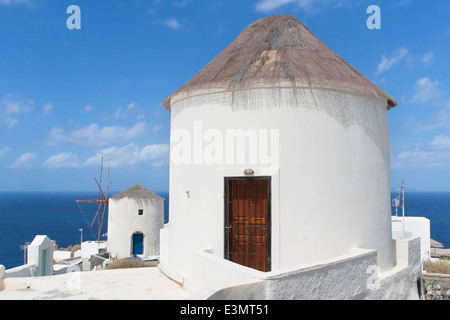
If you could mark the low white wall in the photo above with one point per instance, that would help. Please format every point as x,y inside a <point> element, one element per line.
<point>414,227</point>
<point>61,269</point>
<point>164,244</point>
<point>59,255</point>
<point>349,271</point>
<point>26,270</point>
<point>210,271</point>
<point>89,248</point>
<point>352,276</point>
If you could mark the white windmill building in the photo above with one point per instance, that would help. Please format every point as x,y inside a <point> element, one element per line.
<point>279,157</point>
<point>135,217</point>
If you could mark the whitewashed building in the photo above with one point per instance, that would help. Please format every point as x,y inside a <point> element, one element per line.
<point>135,217</point>
<point>39,259</point>
<point>279,158</point>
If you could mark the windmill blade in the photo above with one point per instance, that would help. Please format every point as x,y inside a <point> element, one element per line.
<point>101,191</point>
<point>89,201</point>
<point>102,201</point>
<point>96,214</point>
<point>108,183</point>
<point>101,174</point>
<point>107,189</point>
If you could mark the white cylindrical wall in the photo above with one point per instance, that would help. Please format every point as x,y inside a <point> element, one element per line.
<point>330,171</point>
<point>124,220</point>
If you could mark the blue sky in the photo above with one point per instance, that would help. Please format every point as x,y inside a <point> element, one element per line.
<point>69,97</point>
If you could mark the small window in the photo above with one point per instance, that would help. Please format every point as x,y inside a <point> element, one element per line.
<point>141,212</point>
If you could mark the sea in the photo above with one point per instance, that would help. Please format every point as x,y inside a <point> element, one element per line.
<point>23,215</point>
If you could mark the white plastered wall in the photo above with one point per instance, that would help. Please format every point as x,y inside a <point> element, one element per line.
<point>330,183</point>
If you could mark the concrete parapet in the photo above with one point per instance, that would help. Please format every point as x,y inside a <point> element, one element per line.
<point>352,276</point>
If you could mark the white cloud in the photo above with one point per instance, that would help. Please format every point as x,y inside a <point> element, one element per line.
<point>88,108</point>
<point>427,59</point>
<point>130,155</point>
<point>433,154</point>
<point>269,5</point>
<point>158,164</point>
<point>63,160</point>
<point>421,156</point>
<point>48,107</point>
<point>182,3</point>
<point>131,105</point>
<point>94,135</point>
<point>119,114</point>
<point>388,62</point>
<point>171,23</point>
<point>441,141</point>
<point>123,114</point>
<point>425,90</point>
<point>157,127</point>
<point>27,161</point>
<point>438,120</point>
<point>13,2</point>
<point>11,110</point>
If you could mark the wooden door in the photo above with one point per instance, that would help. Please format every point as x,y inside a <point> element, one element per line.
<point>247,222</point>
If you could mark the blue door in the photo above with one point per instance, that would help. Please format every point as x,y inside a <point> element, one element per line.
<point>138,243</point>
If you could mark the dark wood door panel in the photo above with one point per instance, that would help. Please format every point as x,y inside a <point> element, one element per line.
<point>247,206</point>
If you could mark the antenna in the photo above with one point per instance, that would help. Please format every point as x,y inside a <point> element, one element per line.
<point>399,201</point>
<point>25,251</point>
<point>102,201</point>
<point>396,203</point>
<point>402,187</point>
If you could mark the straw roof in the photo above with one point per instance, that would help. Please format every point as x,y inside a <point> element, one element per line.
<point>274,51</point>
<point>137,192</point>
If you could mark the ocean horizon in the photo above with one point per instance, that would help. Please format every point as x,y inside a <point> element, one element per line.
<point>23,215</point>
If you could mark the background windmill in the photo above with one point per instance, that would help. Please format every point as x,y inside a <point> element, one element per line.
<point>102,202</point>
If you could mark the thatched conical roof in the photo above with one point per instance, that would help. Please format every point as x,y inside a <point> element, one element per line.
<point>137,192</point>
<point>278,50</point>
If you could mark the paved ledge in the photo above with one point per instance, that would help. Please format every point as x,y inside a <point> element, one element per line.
<point>118,284</point>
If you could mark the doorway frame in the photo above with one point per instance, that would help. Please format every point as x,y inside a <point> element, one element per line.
<point>269,218</point>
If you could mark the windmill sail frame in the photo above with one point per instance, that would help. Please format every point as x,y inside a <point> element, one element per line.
<point>102,202</point>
